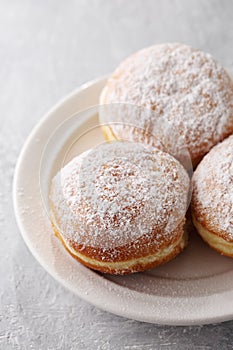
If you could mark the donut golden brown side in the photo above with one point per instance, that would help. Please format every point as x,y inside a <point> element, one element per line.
<point>125,263</point>
<point>133,226</point>
<point>221,245</point>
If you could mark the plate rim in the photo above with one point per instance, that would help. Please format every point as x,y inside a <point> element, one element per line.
<point>115,307</point>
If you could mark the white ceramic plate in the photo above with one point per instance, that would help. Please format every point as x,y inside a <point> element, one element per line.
<point>195,288</point>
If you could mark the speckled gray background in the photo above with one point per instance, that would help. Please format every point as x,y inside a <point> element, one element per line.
<point>47,49</point>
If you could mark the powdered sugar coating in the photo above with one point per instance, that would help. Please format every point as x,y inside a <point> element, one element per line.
<point>184,85</point>
<point>212,200</point>
<point>116,193</point>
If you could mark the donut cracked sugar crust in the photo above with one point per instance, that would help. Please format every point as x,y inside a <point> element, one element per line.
<point>185,86</point>
<point>212,200</point>
<point>120,207</point>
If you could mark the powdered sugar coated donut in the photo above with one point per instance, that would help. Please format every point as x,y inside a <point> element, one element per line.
<point>120,207</point>
<point>184,85</point>
<point>212,201</point>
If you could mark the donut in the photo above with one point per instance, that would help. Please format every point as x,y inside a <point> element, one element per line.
<point>183,86</point>
<point>120,207</point>
<point>212,199</point>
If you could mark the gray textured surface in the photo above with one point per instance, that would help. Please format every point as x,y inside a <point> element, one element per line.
<point>48,48</point>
